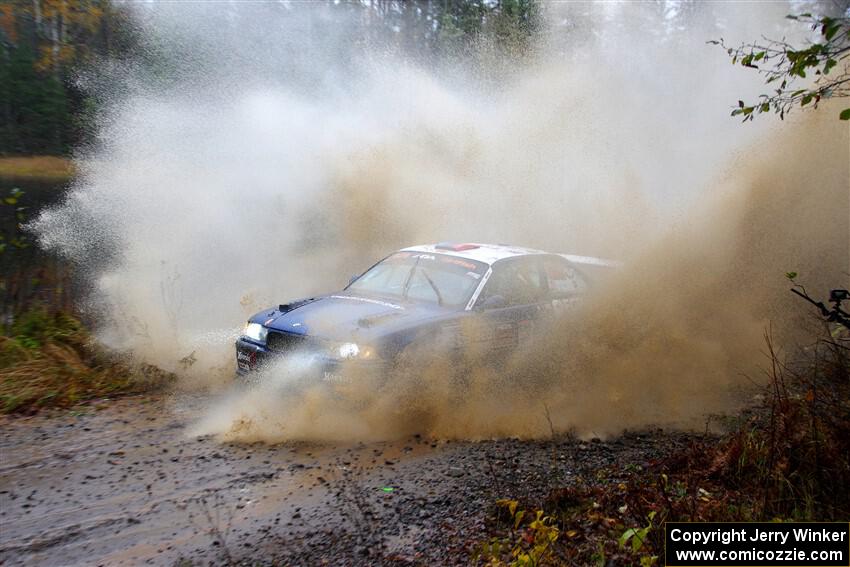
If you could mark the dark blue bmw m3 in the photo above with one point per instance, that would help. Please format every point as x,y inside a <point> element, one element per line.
<point>420,296</point>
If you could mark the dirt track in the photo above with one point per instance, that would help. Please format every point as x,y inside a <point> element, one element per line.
<point>121,483</point>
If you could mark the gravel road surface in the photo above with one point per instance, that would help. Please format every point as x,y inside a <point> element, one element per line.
<point>121,482</point>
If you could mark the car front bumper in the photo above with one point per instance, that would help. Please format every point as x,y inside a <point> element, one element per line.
<point>252,358</point>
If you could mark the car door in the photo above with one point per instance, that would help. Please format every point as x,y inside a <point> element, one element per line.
<point>511,302</point>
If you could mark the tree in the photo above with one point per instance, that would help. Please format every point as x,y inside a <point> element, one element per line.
<point>828,60</point>
<point>43,44</point>
<point>38,111</point>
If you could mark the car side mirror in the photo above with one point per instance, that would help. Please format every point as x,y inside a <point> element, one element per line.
<point>494,302</point>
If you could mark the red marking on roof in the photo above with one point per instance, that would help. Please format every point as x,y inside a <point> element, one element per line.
<point>455,247</point>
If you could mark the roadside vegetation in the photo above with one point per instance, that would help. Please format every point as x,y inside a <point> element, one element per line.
<point>785,459</point>
<point>785,67</point>
<point>50,360</point>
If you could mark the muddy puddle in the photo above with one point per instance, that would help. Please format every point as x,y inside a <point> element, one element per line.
<point>121,482</point>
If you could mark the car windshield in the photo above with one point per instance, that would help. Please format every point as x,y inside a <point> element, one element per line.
<point>435,278</point>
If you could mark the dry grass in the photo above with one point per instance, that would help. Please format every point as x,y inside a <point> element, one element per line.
<point>788,458</point>
<point>50,361</point>
<point>39,168</point>
<point>793,454</point>
<point>57,377</point>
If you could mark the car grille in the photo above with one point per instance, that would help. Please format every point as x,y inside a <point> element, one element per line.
<point>284,342</point>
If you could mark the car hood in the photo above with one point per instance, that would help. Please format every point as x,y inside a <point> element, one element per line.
<point>345,316</point>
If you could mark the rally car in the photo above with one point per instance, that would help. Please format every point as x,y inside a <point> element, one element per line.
<point>418,296</point>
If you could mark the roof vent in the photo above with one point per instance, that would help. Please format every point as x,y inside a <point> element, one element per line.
<point>455,247</point>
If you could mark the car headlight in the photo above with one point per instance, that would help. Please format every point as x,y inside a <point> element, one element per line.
<point>351,351</point>
<point>256,332</point>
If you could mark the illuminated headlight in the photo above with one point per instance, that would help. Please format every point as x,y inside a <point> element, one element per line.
<point>256,332</point>
<point>348,351</point>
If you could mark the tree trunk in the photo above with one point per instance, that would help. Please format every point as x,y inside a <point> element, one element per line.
<point>36,12</point>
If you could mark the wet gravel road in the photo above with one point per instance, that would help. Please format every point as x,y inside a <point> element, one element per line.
<point>121,483</point>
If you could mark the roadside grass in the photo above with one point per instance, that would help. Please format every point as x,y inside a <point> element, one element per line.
<point>788,458</point>
<point>49,360</point>
<point>37,168</point>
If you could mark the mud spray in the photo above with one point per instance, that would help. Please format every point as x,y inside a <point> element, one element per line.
<point>285,152</point>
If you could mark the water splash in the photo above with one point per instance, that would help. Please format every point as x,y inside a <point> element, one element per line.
<point>278,161</point>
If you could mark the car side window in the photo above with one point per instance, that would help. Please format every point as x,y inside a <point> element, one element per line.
<point>518,280</point>
<point>562,278</point>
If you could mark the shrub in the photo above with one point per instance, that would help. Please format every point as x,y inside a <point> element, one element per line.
<point>50,360</point>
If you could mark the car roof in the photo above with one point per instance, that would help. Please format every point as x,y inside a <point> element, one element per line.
<point>487,253</point>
